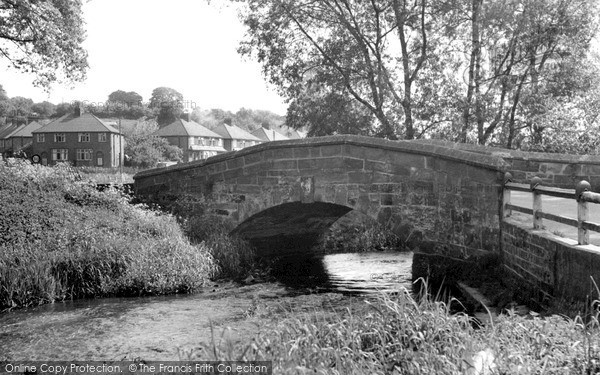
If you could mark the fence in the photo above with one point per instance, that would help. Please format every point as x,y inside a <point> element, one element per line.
<point>581,194</point>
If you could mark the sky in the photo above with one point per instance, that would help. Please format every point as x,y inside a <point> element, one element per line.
<point>139,45</point>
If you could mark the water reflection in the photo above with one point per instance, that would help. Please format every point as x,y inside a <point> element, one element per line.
<point>347,273</point>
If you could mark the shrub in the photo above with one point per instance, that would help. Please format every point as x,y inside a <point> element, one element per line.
<point>60,238</point>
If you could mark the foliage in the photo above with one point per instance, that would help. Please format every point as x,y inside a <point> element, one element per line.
<point>145,150</point>
<point>168,102</point>
<point>244,118</point>
<point>328,113</point>
<point>357,232</point>
<point>233,257</point>
<point>60,238</point>
<point>400,63</point>
<point>44,38</point>
<point>43,109</point>
<point>401,334</point>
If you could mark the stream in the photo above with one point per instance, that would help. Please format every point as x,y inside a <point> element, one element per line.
<point>170,327</point>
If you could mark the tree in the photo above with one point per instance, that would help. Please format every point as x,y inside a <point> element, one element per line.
<point>528,45</point>
<point>44,109</point>
<point>63,109</point>
<point>168,102</point>
<point>44,38</point>
<point>371,51</point>
<point>401,61</point>
<point>146,150</point>
<point>129,99</point>
<point>323,112</point>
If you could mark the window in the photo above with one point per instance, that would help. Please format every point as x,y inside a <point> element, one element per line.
<point>101,137</point>
<point>60,154</point>
<point>84,154</point>
<point>59,137</point>
<point>200,141</point>
<point>220,142</point>
<point>99,158</point>
<point>41,138</point>
<point>84,137</point>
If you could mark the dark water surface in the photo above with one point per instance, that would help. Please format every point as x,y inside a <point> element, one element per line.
<point>166,328</point>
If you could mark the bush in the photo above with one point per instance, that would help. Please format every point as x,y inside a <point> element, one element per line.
<point>60,239</point>
<point>233,256</point>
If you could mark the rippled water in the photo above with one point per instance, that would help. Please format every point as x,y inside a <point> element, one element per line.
<point>163,328</point>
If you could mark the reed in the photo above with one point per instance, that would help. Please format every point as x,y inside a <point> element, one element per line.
<point>399,334</point>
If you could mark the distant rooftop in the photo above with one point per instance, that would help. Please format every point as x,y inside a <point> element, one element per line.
<point>183,128</point>
<point>234,132</point>
<point>72,123</point>
<point>269,134</point>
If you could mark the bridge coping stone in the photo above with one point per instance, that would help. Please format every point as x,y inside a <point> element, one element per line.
<point>487,161</point>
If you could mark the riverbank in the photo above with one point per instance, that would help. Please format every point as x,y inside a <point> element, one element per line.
<point>302,333</point>
<point>61,239</point>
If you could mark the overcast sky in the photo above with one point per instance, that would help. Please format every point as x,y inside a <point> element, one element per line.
<point>138,45</point>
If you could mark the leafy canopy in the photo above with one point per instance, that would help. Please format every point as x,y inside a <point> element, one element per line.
<point>44,38</point>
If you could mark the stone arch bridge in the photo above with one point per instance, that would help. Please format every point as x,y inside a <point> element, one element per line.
<point>285,194</point>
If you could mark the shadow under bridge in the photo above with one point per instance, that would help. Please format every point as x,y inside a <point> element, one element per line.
<point>289,227</point>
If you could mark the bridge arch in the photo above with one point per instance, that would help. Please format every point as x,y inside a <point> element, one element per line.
<point>447,197</point>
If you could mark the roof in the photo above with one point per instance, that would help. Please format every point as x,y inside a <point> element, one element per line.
<point>183,128</point>
<point>292,133</point>
<point>72,123</point>
<point>7,130</point>
<point>268,134</point>
<point>234,132</point>
<point>26,130</point>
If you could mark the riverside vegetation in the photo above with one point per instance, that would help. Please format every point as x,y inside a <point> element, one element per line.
<point>62,239</point>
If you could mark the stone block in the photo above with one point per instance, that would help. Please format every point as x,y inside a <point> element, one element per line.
<point>254,158</point>
<point>359,177</point>
<point>284,164</point>
<point>235,163</point>
<point>282,153</point>
<point>331,150</point>
<point>301,152</point>
<point>351,164</point>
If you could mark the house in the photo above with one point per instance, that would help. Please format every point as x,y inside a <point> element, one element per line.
<point>292,133</point>
<point>268,135</point>
<point>6,131</point>
<point>196,141</point>
<point>236,138</point>
<point>81,139</point>
<point>19,139</point>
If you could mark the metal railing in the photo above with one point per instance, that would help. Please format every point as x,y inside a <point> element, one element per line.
<point>582,194</point>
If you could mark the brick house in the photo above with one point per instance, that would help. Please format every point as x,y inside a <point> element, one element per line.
<point>196,141</point>
<point>18,140</point>
<point>81,139</point>
<point>235,138</point>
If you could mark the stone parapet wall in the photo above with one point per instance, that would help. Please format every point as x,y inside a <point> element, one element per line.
<point>556,268</point>
<point>555,170</point>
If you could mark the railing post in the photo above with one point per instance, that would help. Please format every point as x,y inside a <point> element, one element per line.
<point>506,195</point>
<point>537,203</point>
<point>583,214</point>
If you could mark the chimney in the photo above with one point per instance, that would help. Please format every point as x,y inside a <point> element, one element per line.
<point>79,109</point>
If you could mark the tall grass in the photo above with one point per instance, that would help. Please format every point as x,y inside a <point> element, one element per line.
<point>234,258</point>
<point>60,239</point>
<point>395,334</point>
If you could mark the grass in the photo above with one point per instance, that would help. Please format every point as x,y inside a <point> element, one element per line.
<point>398,334</point>
<point>62,239</point>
